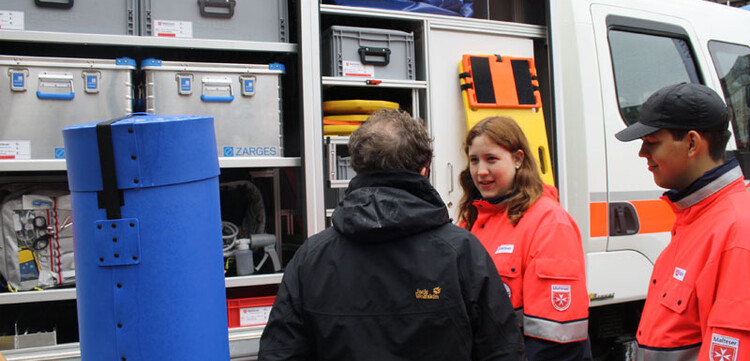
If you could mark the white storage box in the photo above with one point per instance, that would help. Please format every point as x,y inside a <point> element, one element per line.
<point>114,17</point>
<point>39,96</point>
<point>369,53</point>
<point>244,100</point>
<point>253,20</point>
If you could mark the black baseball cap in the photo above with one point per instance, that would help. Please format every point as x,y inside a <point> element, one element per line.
<point>687,106</point>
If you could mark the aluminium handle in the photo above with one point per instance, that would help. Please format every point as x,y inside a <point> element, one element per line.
<point>55,96</point>
<point>217,99</point>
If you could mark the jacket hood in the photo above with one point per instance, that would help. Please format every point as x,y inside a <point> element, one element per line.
<point>383,205</point>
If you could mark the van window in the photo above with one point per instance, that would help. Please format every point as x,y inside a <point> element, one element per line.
<point>644,63</point>
<point>732,62</point>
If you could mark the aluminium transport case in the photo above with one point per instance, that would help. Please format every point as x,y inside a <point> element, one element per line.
<point>244,100</point>
<point>39,96</point>
<point>368,52</point>
<point>249,20</point>
<point>112,17</point>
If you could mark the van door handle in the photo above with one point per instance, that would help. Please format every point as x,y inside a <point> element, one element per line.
<point>623,219</point>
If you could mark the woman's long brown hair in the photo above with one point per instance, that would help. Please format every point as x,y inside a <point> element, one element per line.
<point>527,185</point>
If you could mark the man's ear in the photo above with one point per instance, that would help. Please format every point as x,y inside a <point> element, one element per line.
<point>696,143</point>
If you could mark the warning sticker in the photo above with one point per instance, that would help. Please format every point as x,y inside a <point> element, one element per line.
<point>356,68</point>
<point>173,29</point>
<point>15,149</point>
<point>11,20</point>
<point>253,316</point>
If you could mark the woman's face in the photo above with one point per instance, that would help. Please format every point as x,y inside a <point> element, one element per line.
<point>492,167</point>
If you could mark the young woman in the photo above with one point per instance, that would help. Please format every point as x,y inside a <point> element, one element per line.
<point>535,244</point>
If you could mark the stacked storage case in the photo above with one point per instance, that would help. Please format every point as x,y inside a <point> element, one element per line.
<point>244,100</point>
<point>368,52</point>
<point>249,20</point>
<point>114,17</point>
<point>40,96</point>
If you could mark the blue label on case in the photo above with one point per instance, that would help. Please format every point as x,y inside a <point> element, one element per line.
<point>18,80</point>
<point>59,153</point>
<point>92,82</point>
<point>249,85</point>
<point>185,84</point>
<point>229,151</point>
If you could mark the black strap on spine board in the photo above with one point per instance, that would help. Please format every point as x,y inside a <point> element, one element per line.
<point>522,76</point>
<point>482,76</point>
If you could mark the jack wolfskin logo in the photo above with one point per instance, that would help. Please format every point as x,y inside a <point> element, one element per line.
<point>723,348</point>
<point>425,294</point>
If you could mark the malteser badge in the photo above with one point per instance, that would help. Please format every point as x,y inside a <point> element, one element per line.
<point>724,348</point>
<point>560,297</point>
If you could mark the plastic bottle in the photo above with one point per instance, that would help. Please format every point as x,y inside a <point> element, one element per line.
<point>243,257</point>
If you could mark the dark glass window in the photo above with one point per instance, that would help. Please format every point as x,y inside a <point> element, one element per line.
<point>644,63</point>
<point>732,64</point>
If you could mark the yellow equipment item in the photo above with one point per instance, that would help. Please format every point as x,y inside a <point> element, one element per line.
<point>356,106</point>
<point>346,118</point>
<point>333,130</point>
<point>505,86</point>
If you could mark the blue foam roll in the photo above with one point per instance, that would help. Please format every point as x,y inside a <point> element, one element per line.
<point>149,281</point>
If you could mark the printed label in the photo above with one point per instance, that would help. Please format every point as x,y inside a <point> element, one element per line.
<point>253,316</point>
<point>560,297</point>
<point>356,68</point>
<point>11,20</point>
<point>679,273</point>
<point>15,149</point>
<point>251,151</point>
<point>173,29</point>
<point>59,153</point>
<point>19,81</point>
<point>185,85</point>
<point>505,248</point>
<point>724,348</point>
<point>92,82</point>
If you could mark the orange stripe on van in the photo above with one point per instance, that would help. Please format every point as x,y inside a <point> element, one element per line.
<point>598,217</point>
<point>654,216</point>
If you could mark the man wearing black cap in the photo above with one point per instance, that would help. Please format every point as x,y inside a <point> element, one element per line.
<point>698,299</point>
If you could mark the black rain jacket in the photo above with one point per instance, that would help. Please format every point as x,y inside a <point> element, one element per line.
<point>393,279</point>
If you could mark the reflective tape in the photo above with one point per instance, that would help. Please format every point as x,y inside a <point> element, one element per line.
<point>556,331</point>
<point>688,353</point>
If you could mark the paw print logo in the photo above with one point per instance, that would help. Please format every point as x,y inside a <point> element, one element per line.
<point>436,290</point>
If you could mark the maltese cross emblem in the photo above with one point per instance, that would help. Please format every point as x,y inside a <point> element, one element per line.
<point>561,297</point>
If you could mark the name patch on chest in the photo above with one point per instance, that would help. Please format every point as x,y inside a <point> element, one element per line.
<point>679,273</point>
<point>505,248</point>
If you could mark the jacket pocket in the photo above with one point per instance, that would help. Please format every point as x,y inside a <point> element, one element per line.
<point>730,314</point>
<point>676,296</point>
<point>559,269</point>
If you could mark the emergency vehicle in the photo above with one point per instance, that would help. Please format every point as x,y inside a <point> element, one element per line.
<point>596,62</point>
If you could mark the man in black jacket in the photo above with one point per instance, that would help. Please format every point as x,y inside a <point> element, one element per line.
<point>393,279</point>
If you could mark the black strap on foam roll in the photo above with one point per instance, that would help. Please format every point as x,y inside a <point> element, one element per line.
<point>110,197</point>
<point>522,75</point>
<point>480,71</point>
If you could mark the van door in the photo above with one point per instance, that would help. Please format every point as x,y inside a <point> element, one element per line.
<point>640,52</point>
